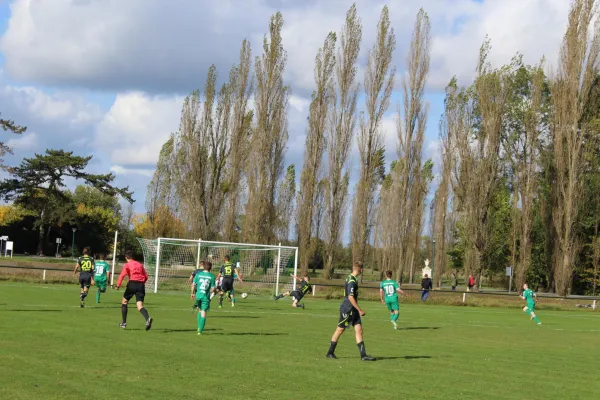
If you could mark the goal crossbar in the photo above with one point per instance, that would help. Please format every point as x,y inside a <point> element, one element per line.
<point>228,244</point>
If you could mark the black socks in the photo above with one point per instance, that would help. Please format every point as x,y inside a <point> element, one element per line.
<point>124,312</point>
<point>361,348</point>
<point>332,348</point>
<point>144,313</point>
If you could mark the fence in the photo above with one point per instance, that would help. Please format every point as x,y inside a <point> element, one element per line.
<point>328,290</point>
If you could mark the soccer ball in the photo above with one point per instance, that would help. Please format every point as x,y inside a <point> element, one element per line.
<point>244,295</point>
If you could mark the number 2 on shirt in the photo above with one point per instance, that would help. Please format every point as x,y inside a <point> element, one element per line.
<point>204,284</point>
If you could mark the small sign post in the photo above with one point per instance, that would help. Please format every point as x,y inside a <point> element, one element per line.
<point>58,241</point>
<point>510,274</point>
<point>9,246</point>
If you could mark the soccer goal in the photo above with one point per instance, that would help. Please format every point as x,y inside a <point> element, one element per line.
<point>170,262</point>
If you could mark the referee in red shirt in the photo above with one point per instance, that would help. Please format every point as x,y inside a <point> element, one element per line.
<point>135,287</point>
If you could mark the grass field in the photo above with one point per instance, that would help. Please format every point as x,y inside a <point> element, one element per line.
<point>52,349</point>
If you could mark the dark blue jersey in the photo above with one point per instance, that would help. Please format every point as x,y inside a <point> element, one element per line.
<point>350,290</point>
<point>305,287</point>
<point>86,264</point>
<point>227,270</point>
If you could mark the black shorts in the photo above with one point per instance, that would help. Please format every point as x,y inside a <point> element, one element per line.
<point>135,288</point>
<point>297,295</point>
<point>227,285</point>
<point>350,317</point>
<point>85,280</point>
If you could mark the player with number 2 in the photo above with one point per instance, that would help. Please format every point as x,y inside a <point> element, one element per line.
<point>204,284</point>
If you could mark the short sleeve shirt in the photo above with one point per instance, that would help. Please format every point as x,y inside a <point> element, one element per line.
<point>86,264</point>
<point>389,287</point>
<point>100,270</point>
<point>350,290</point>
<point>227,270</point>
<point>204,281</point>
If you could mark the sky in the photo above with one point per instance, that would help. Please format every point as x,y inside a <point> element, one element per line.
<point>107,77</point>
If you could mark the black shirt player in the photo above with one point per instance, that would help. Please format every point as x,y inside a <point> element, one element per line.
<point>85,264</point>
<point>228,272</point>
<point>350,313</point>
<point>298,294</point>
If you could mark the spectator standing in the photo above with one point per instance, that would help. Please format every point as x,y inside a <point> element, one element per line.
<point>426,286</point>
<point>453,282</point>
<point>471,283</point>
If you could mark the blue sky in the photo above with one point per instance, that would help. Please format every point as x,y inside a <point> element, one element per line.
<point>108,78</point>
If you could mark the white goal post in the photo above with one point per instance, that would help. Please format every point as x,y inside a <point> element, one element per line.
<point>264,268</point>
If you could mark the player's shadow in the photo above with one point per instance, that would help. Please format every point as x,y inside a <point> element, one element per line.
<point>403,358</point>
<point>414,328</point>
<point>187,330</point>
<point>42,310</point>
<point>102,307</point>
<point>252,334</point>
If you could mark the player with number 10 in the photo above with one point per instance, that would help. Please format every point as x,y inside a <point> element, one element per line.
<point>390,288</point>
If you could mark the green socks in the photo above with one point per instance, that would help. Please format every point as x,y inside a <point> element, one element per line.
<point>395,317</point>
<point>201,323</point>
<point>98,296</point>
<point>528,312</point>
<point>536,319</point>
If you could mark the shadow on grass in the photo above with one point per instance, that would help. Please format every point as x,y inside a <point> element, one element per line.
<point>97,307</point>
<point>233,316</point>
<point>251,334</point>
<point>40,310</point>
<point>414,328</point>
<point>404,358</point>
<point>187,330</point>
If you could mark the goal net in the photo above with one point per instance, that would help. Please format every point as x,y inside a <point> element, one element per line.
<point>264,269</point>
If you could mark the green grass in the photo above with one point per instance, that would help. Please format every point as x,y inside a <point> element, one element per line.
<point>52,349</point>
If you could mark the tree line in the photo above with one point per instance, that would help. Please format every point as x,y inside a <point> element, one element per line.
<point>517,182</point>
<point>518,175</point>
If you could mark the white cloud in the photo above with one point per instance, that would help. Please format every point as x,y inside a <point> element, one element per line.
<point>151,45</point>
<point>135,128</point>
<point>533,28</point>
<point>119,170</point>
<point>52,120</point>
<point>27,141</point>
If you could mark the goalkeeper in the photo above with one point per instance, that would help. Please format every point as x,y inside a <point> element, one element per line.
<point>297,295</point>
<point>228,273</point>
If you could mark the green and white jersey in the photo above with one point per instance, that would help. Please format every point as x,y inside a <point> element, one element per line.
<point>528,295</point>
<point>100,270</point>
<point>389,287</point>
<point>204,281</point>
